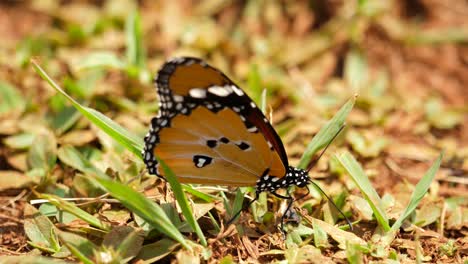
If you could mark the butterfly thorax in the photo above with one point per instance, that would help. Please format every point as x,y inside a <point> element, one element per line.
<point>293,176</point>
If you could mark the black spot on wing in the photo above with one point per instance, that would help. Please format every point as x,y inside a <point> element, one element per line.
<point>201,161</point>
<point>211,143</point>
<point>243,146</point>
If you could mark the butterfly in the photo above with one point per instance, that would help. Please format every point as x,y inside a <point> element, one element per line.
<point>209,131</point>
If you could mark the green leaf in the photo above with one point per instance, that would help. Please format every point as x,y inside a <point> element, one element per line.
<point>65,119</point>
<point>100,60</point>
<point>419,191</point>
<point>428,213</point>
<point>153,252</point>
<point>442,118</point>
<point>39,228</point>
<point>43,154</point>
<point>126,240</point>
<point>354,253</point>
<point>84,246</point>
<point>115,131</point>
<point>32,46</point>
<point>320,236</point>
<point>10,98</point>
<point>369,148</point>
<point>356,70</point>
<point>144,208</point>
<point>20,141</point>
<point>304,254</point>
<point>362,181</point>
<point>340,236</point>
<point>30,259</point>
<point>75,210</point>
<point>73,158</point>
<point>182,201</point>
<point>86,84</point>
<point>76,251</point>
<point>326,133</point>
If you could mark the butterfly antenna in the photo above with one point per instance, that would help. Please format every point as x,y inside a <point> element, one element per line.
<point>313,162</point>
<point>334,205</point>
<point>243,208</point>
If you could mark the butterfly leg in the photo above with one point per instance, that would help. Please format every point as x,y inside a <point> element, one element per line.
<point>291,200</point>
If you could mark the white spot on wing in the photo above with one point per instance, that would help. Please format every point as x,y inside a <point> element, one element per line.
<point>237,90</point>
<point>178,98</point>
<point>269,144</point>
<point>197,93</point>
<point>220,91</point>
<point>252,129</point>
<point>201,162</point>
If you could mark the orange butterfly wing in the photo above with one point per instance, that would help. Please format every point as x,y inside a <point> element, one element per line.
<point>209,131</point>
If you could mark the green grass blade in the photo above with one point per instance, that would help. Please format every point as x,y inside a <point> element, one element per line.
<point>419,191</point>
<point>201,195</point>
<point>362,181</point>
<point>237,205</point>
<point>75,210</point>
<point>326,134</point>
<point>135,51</point>
<point>254,83</point>
<point>183,202</point>
<point>144,208</point>
<point>115,131</point>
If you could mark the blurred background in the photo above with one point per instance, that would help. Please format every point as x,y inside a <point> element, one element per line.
<point>407,61</point>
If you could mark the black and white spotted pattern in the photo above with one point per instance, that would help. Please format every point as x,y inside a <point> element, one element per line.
<point>294,176</point>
